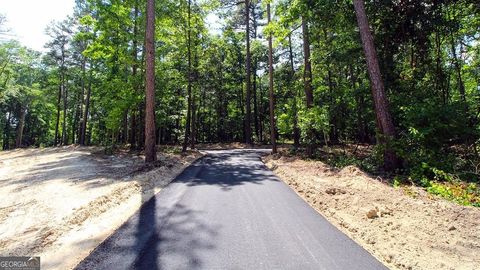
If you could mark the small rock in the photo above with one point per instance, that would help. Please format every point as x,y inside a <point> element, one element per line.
<point>335,191</point>
<point>452,228</point>
<point>386,212</point>
<point>372,213</point>
<point>371,241</point>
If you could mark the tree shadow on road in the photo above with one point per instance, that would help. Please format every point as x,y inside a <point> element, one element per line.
<point>228,169</point>
<point>156,236</point>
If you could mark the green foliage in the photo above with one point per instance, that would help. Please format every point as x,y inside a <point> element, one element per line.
<point>313,120</point>
<point>428,52</point>
<point>459,192</point>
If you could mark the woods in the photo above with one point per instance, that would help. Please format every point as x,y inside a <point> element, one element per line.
<point>403,76</point>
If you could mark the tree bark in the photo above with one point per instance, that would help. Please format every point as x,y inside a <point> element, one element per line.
<point>150,142</point>
<point>307,73</point>
<point>86,110</point>
<point>57,123</point>
<point>307,81</point>
<point>189,78</point>
<point>64,123</point>
<point>384,119</point>
<point>296,130</point>
<point>440,75</point>
<point>20,126</point>
<point>222,102</point>
<point>248,128</point>
<point>124,134</point>
<point>261,109</point>
<point>65,103</point>
<point>193,133</point>
<point>82,101</point>
<point>6,132</point>
<point>255,101</point>
<point>254,73</point>
<point>270,76</point>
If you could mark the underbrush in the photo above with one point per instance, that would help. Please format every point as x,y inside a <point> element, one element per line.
<point>452,176</point>
<point>461,187</point>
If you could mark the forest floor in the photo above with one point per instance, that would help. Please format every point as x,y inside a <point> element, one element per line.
<point>404,227</point>
<point>60,203</point>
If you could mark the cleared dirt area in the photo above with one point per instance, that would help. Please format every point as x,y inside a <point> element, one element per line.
<point>59,203</point>
<point>405,228</point>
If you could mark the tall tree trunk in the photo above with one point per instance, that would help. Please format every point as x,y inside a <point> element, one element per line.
<point>132,138</point>
<point>222,102</point>
<point>440,76</point>
<point>20,126</point>
<point>193,133</point>
<point>307,73</point>
<point>255,101</point>
<point>261,114</point>
<point>65,104</point>
<point>188,125</point>
<point>296,129</point>
<point>241,98</point>
<point>150,142</point>
<point>125,127</point>
<point>76,117</point>
<point>82,101</point>
<point>384,119</point>
<point>248,113</point>
<point>307,81</point>
<point>64,123</point>
<point>86,110</point>
<point>254,74</point>
<point>57,123</point>
<point>270,77</point>
<point>6,132</point>
<point>458,69</point>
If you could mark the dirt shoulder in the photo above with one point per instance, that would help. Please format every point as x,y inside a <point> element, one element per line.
<point>405,228</point>
<point>60,203</point>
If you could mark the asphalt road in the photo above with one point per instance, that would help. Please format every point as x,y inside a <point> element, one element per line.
<point>228,211</point>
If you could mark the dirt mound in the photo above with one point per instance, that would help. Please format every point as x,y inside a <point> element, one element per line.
<point>350,171</point>
<point>405,228</point>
